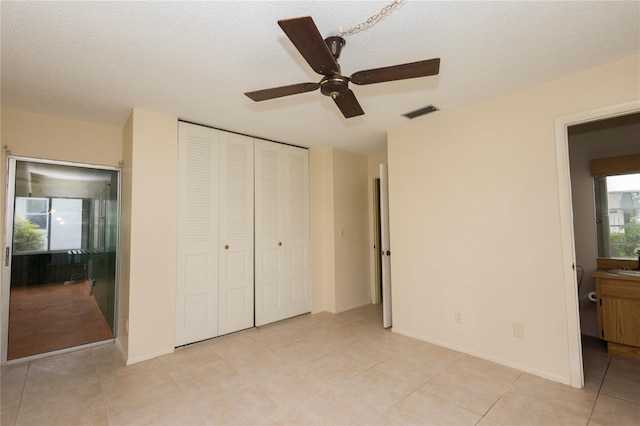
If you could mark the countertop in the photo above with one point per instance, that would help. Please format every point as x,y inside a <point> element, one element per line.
<point>603,273</point>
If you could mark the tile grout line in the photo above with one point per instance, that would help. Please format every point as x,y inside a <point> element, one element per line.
<point>498,400</point>
<point>24,385</point>
<point>593,407</point>
<point>104,401</point>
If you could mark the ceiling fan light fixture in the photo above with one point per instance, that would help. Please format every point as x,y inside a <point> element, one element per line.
<point>422,111</point>
<point>334,86</point>
<point>322,54</point>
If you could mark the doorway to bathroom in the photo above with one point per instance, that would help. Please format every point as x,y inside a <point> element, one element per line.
<point>61,259</point>
<point>606,220</point>
<point>571,238</point>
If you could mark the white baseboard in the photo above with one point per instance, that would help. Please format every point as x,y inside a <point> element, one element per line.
<point>147,357</point>
<point>506,363</point>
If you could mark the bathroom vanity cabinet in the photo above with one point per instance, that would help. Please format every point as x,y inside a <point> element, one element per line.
<point>618,307</point>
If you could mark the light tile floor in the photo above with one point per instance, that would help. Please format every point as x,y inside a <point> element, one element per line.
<point>313,369</point>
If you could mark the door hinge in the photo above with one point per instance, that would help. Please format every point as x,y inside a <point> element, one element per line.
<point>601,301</point>
<point>6,256</point>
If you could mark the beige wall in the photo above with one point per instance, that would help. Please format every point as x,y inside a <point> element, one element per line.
<point>151,233</point>
<point>321,201</point>
<point>605,138</point>
<point>475,221</point>
<point>41,136</point>
<point>122,339</point>
<point>339,230</point>
<point>351,230</point>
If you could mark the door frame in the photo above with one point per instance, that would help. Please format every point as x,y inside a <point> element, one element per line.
<point>5,286</point>
<point>562,124</point>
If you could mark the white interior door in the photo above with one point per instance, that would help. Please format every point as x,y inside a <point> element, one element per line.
<point>198,206</point>
<point>236,295</point>
<point>385,249</point>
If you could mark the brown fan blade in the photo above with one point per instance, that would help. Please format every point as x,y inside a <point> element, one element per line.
<point>397,72</point>
<point>305,36</point>
<point>349,105</point>
<point>278,92</point>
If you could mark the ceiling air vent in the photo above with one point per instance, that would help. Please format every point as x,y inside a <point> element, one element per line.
<point>422,111</point>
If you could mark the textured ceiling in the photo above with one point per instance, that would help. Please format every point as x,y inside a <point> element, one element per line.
<point>94,61</point>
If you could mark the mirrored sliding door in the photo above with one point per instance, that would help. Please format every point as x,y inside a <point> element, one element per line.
<point>59,285</point>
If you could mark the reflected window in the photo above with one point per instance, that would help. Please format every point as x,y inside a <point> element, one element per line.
<point>31,228</point>
<point>66,224</point>
<point>47,224</point>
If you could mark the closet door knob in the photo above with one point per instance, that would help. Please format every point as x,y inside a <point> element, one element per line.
<point>226,247</point>
<point>280,243</point>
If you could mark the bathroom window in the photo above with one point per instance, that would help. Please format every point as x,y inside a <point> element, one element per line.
<point>618,215</point>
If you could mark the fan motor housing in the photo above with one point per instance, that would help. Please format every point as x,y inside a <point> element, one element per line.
<point>334,85</point>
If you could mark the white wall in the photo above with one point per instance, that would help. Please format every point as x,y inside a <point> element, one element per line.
<point>601,139</point>
<point>475,221</point>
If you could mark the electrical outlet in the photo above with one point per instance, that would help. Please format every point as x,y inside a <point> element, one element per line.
<point>457,317</point>
<point>518,330</point>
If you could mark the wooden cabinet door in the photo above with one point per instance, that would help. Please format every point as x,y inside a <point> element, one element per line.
<point>621,320</point>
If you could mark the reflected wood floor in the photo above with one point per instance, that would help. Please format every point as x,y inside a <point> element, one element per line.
<point>48,317</point>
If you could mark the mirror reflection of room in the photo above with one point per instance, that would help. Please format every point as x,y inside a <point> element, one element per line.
<point>63,262</point>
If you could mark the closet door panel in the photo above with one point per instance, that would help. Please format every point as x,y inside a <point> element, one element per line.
<point>269,224</point>
<point>283,286</point>
<point>198,198</point>
<point>236,260</point>
<point>296,216</point>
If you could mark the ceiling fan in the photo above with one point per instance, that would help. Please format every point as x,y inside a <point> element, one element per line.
<point>322,56</point>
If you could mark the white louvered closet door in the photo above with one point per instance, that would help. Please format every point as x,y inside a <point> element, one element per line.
<point>236,289</point>
<point>283,284</point>
<point>297,262</point>
<point>198,205</point>
<point>269,225</point>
